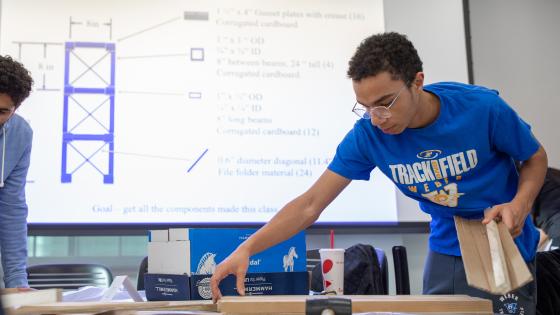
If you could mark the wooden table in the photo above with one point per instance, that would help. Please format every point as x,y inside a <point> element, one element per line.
<point>370,304</point>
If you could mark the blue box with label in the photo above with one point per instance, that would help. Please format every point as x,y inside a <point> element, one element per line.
<point>162,287</point>
<point>209,247</point>
<point>273,283</point>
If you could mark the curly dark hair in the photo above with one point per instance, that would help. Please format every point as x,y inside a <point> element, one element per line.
<point>391,52</point>
<point>14,80</point>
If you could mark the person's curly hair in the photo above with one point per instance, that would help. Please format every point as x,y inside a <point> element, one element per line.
<point>391,52</point>
<point>14,80</point>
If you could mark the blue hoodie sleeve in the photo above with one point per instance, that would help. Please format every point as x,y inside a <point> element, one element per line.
<point>13,223</point>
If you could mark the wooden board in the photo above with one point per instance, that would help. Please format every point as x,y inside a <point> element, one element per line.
<point>13,298</point>
<point>360,303</point>
<point>99,307</point>
<point>162,312</point>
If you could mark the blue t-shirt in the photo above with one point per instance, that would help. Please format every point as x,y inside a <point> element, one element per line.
<point>460,164</point>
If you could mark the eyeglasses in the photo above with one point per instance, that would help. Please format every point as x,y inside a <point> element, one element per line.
<point>381,111</point>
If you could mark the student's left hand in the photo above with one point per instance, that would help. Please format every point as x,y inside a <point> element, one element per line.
<point>513,214</point>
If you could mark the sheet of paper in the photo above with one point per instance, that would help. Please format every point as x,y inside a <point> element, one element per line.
<point>118,283</point>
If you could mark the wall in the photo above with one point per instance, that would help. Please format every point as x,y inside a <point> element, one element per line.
<point>515,50</point>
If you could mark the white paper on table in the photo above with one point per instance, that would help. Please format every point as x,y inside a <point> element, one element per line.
<point>118,283</point>
<point>94,294</point>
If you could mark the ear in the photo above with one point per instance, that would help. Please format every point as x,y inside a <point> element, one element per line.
<point>418,80</point>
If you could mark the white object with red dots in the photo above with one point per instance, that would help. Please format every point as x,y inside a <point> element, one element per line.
<point>332,267</point>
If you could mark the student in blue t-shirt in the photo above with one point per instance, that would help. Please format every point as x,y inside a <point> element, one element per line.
<point>451,146</point>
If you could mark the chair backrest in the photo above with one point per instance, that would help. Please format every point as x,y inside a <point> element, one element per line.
<point>142,270</point>
<point>313,259</point>
<point>68,276</point>
<point>402,282</point>
<point>383,266</point>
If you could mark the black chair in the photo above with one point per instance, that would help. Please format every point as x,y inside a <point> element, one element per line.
<point>141,272</point>
<point>313,259</point>
<point>68,276</point>
<point>400,260</point>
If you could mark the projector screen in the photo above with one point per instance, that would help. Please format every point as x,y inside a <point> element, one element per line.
<point>215,112</point>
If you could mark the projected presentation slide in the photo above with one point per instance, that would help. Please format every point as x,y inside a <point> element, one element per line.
<point>188,111</point>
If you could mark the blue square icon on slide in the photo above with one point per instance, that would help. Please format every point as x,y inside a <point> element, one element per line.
<point>197,54</point>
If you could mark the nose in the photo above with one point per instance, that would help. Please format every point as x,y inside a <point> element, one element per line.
<point>378,122</point>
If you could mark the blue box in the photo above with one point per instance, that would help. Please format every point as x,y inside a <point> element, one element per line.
<point>209,247</point>
<point>161,287</point>
<point>274,283</point>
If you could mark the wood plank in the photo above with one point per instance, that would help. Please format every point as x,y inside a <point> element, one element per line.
<point>360,303</point>
<point>12,298</point>
<point>160,312</point>
<point>99,307</point>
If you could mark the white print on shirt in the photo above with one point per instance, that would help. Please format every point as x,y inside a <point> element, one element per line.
<point>448,196</point>
<point>432,175</point>
<point>430,170</point>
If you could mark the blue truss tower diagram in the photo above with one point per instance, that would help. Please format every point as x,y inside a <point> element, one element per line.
<point>72,89</point>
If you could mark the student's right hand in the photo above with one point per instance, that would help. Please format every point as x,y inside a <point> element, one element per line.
<point>236,264</point>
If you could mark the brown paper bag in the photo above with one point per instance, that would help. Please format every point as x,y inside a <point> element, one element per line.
<point>492,260</point>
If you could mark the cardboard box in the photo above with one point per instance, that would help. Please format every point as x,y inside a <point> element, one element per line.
<point>165,287</point>
<point>169,257</point>
<point>274,283</point>
<point>158,236</point>
<point>211,246</point>
<point>179,235</point>
<point>161,287</point>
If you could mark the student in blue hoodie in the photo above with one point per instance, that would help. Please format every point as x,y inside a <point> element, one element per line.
<point>449,145</point>
<point>15,150</point>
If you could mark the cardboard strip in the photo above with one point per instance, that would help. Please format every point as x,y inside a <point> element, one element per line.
<point>499,266</point>
<point>489,251</point>
<point>475,252</point>
<point>518,271</point>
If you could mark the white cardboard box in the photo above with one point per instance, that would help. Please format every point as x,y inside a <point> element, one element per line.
<point>179,234</point>
<point>158,236</point>
<point>169,257</point>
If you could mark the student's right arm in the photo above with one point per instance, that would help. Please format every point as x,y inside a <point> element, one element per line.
<point>294,217</point>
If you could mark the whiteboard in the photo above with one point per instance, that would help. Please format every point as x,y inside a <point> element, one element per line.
<point>188,111</point>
